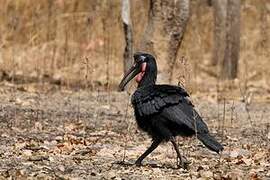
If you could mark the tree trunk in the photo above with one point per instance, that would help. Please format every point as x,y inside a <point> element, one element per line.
<point>147,39</point>
<point>220,13</point>
<point>127,25</point>
<point>167,22</point>
<point>227,37</point>
<point>176,28</point>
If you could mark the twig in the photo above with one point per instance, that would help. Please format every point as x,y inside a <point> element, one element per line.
<point>14,89</point>
<point>195,125</point>
<point>232,112</point>
<point>223,119</point>
<point>86,75</point>
<point>183,79</point>
<point>246,102</point>
<point>126,139</point>
<point>96,113</point>
<point>218,105</point>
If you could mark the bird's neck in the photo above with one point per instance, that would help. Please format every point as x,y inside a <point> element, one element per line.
<point>149,77</point>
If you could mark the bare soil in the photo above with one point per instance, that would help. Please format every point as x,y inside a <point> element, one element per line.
<point>76,134</point>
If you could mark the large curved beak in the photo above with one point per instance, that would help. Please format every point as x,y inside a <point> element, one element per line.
<point>131,73</point>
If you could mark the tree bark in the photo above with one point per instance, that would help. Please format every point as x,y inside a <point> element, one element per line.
<point>147,39</point>
<point>220,14</point>
<point>127,25</point>
<point>227,37</point>
<point>176,28</point>
<point>167,22</point>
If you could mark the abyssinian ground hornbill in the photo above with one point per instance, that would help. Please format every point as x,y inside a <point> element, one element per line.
<point>164,111</point>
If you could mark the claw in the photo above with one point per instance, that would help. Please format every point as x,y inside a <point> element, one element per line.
<point>182,162</point>
<point>138,163</point>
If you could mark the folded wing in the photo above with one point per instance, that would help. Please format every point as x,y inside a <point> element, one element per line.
<point>172,103</point>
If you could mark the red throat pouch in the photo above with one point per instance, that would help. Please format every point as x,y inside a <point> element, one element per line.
<point>141,74</point>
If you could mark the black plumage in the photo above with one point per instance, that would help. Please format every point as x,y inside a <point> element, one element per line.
<point>164,111</point>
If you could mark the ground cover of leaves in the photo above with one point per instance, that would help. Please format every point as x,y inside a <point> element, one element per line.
<point>65,134</point>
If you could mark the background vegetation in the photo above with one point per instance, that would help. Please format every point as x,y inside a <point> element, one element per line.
<point>82,42</point>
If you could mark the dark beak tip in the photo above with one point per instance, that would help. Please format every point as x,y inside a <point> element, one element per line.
<point>130,74</point>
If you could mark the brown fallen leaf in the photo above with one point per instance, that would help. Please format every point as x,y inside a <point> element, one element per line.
<point>206,174</point>
<point>247,161</point>
<point>38,158</point>
<point>254,176</point>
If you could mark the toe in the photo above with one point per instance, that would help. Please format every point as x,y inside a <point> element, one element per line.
<point>138,163</point>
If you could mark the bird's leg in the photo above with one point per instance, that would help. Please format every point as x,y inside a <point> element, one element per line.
<point>153,146</point>
<point>183,161</point>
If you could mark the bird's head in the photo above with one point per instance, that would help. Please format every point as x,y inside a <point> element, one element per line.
<point>142,63</point>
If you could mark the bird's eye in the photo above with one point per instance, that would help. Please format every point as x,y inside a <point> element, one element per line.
<point>142,58</point>
<point>139,58</point>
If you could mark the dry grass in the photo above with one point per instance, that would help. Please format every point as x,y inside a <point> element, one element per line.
<point>64,135</point>
<point>49,40</point>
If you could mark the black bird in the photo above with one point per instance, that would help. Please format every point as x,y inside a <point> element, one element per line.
<point>164,111</point>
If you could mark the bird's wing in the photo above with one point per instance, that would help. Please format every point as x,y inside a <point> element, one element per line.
<point>169,101</point>
<point>183,113</point>
<point>152,99</point>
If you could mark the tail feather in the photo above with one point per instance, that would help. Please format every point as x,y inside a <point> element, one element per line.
<point>210,142</point>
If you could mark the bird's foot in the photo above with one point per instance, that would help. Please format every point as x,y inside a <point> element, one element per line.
<point>182,162</point>
<point>138,163</point>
